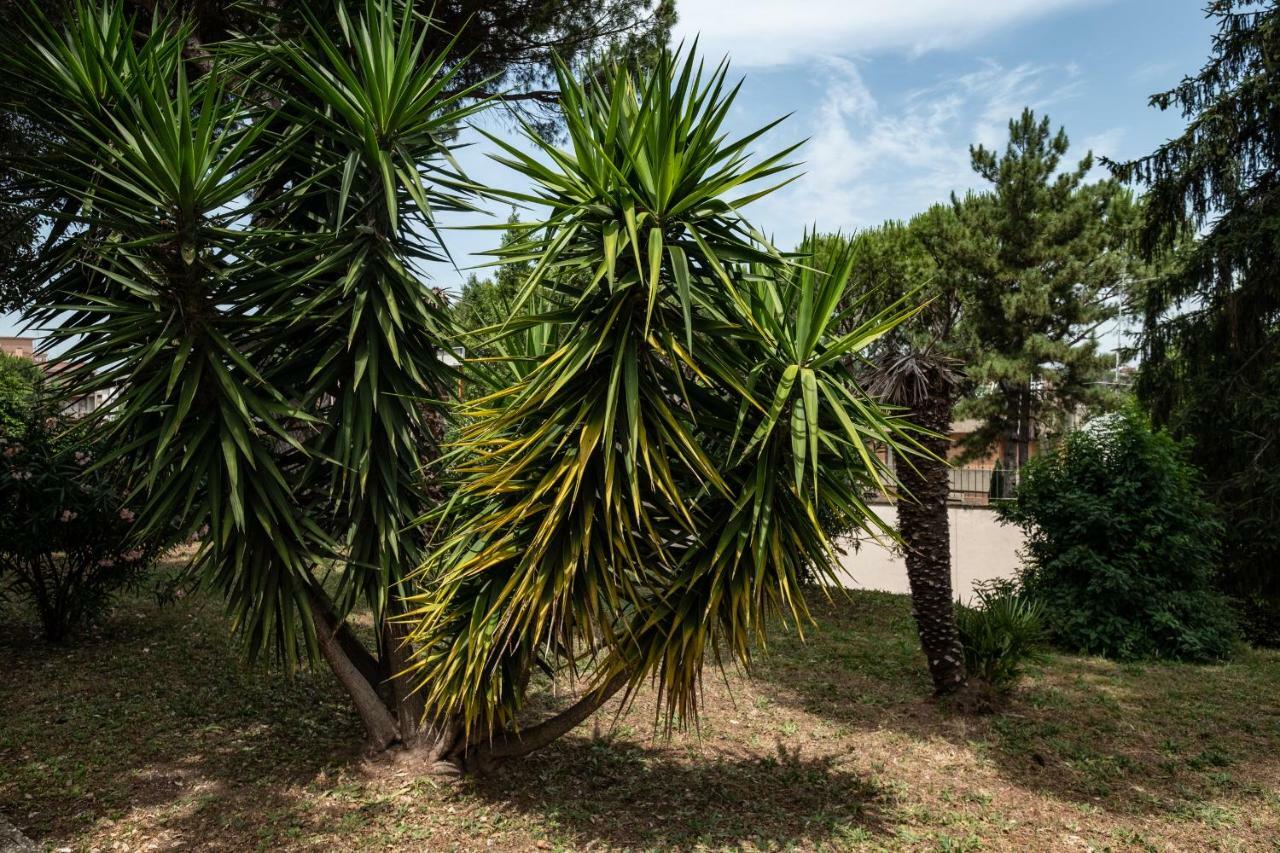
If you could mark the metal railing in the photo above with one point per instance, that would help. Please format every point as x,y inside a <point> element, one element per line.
<point>973,486</point>
<point>982,485</point>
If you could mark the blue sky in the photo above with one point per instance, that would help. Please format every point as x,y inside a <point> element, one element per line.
<point>891,94</point>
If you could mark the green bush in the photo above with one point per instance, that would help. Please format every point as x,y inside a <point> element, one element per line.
<point>67,543</point>
<point>1122,545</point>
<point>1001,635</point>
<point>19,380</point>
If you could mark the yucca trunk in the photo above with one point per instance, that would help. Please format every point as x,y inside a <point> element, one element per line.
<point>923,525</point>
<point>391,711</point>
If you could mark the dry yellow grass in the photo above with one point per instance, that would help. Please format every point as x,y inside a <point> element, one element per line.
<point>151,735</point>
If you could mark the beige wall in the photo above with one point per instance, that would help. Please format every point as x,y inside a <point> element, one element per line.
<point>981,548</point>
<point>20,347</point>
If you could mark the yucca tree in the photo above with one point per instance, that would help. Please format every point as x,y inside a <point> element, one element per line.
<point>242,270</point>
<point>644,493</point>
<point>641,491</point>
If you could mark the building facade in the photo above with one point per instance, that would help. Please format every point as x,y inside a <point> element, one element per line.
<point>77,404</point>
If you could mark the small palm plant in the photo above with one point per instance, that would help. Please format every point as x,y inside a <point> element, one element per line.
<point>1002,632</point>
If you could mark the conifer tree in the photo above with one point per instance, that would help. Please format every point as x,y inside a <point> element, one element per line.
<point>1041,265</point>
<point>1211,337</point>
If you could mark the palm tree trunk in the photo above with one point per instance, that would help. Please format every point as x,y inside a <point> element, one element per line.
<point>405,701</point>
<point>481,755</point>
<point>923,525</point>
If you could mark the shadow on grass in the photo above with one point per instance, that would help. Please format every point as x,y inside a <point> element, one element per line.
<point>155,725</point>
<point>1127,738</point>
<point>624,795</point>
<point>154,717</point>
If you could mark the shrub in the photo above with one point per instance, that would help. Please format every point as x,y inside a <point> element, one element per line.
<point>1005,632</point>
<point>1259,619</point>
<point>65,531</point>
<point>1122,545</point>
<point>19,380</point>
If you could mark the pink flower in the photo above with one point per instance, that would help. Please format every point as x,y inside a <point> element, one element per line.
<point>82,457</point>
<point>130,556</point>
<point>126,514</point>
<point>67,515</point>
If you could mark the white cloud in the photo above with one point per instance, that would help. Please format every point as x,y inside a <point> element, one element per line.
<point>763,32</point>
<point>1105,143</point>
<point>1156,73</point>
<point>868,161</point>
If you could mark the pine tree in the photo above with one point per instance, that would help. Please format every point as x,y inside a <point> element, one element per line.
<point>488,301</point>
<point>1211,335</point>
<point>1041,266</point>
<point>1014,282</point>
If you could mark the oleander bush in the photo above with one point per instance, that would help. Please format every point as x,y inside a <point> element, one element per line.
<point>67,543</point>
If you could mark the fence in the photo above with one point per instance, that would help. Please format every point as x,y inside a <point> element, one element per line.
<point>975,486</point>
<point>982,485</point>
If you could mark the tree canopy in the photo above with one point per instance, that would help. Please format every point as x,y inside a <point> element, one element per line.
<point>20,381</point>
<point>1041,264</point>
<point>1211,335</point>
<point>507,45</point>
<point>1014,282</point>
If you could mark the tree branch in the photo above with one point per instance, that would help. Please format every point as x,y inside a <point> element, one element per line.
<point>524,741</point>
<point>361,657</point>
<point>542,96</point>
<point>378,721</point>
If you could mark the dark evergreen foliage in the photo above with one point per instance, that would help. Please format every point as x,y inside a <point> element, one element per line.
<point>1211,338</point>
<point>67,543</point>
<point>1040,265</point>
<point>19,378</point>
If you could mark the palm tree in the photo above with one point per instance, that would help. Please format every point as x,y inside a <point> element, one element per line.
<point>240,262</point>
<point>923,383</point>
<point>241,267</point>
<point>915,368</point>
<point>646,491</point>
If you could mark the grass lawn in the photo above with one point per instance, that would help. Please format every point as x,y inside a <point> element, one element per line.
<point>153,735</point>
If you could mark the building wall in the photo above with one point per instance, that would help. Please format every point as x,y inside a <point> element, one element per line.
<point>981,549</point>
<point>1003,450</point>
<point>20,347</point>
